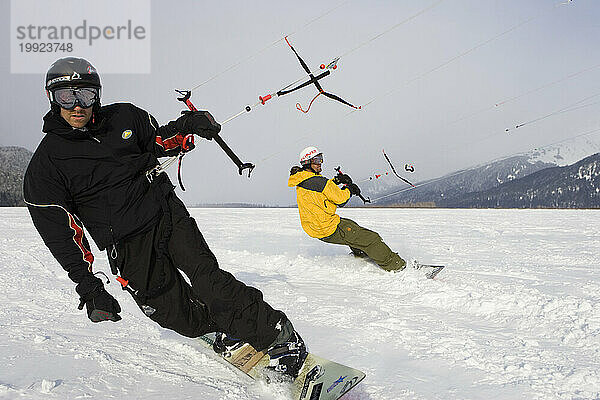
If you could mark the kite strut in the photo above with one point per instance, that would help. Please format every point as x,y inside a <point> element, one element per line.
<point>394,169</point>
<point>314,80</point>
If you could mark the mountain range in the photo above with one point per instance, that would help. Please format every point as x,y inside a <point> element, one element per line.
<point>559,176</point>
<point>572,186</point>
<point>13,163</point>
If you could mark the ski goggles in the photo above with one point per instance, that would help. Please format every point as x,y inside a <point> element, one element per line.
<point>318,159</point>
<point>69,98</point>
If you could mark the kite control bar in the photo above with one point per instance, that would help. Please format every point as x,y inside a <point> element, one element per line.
<point>367,200</point>
<point>241,166</point>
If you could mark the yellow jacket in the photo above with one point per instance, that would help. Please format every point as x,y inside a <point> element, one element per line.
<point>318,199</point>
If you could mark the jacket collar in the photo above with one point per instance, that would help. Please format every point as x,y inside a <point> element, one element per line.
<point>54,123</point>
<point>301,176</point>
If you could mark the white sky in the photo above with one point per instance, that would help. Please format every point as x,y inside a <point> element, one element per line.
<point>416,94</point>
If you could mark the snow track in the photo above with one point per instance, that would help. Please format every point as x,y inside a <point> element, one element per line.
<point>516,313</point>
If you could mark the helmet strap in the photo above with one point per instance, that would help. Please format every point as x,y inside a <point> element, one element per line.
<point>54,108</point>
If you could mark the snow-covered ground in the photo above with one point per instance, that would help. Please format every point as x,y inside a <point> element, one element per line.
<point>515,315</point>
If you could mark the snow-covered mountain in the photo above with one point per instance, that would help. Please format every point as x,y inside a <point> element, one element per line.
<point>13,163</point>
<point>453,186</point>
<point>571,186</point>
<point>454,190</point>
<point>566,152</point>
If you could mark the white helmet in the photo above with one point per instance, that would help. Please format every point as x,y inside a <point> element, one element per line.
<point>307,154</point>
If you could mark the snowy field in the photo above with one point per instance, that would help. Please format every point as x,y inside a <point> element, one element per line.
<point>515,315</point>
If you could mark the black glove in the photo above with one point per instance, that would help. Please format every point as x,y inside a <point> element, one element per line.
<point>342,178</point>
<point>200,123</point>
<point>295,169</point>
<point>353,188</point>
<point>100,305</point>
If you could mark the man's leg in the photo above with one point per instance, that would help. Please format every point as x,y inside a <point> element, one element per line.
<point>238,310</point>
<point>158,288</point>
<point>351,234</point>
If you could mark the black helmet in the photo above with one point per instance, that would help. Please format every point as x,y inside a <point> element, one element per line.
<point>71,72</point>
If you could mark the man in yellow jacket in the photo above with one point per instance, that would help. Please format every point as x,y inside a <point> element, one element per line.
<point>318,199</point>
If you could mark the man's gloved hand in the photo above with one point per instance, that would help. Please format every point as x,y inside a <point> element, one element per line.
<point>342,178</point>
<point>200,123</point>
<point>100,305</point>
<point>353,188</point>
<point>295,169</point>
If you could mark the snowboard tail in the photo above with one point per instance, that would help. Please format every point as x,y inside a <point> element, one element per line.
<point>318,379</point>
<point>321,379</point>
<point>432,270</point>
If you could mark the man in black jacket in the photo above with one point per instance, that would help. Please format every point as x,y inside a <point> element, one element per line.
<point>94,168</point>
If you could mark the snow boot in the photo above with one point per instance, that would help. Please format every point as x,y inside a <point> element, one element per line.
<point>394,264</point>
<point>358,253</point>
<point>287,352</point>
<point>224,344</point>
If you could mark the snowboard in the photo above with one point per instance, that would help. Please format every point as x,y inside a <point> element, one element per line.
<point>431,270</point>
<point>319,379</point>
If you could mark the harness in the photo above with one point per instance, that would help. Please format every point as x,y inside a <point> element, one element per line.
<point>160,188</point>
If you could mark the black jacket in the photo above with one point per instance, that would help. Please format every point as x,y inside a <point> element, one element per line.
<point>96,178</point>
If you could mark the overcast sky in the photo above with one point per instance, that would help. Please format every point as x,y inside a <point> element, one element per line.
<point>431,85</point>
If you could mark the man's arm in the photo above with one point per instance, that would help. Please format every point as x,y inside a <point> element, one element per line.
<point>164,140</point>
<point>62,232</point>
<point>329,189</point>
<point>169,139</point>
<point>47,201</point>
<point>338,196</point>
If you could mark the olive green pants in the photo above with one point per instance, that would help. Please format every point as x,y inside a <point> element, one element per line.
<point>351,234</point>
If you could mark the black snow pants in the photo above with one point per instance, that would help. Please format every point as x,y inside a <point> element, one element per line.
<point>215,300</point>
